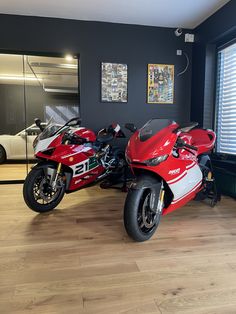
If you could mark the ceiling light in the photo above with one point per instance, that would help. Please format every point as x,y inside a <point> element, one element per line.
<point>69,58</point>
<point>54,65</point>
<point>19,78</point>
<point>64,90</point>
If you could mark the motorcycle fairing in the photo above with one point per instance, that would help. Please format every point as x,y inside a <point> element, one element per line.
<point>185,186</point>
<point>45,144</point>
<point>80,159</point>
<point>182,173</point>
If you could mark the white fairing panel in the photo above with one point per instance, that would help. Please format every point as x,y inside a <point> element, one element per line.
<point>187,182</point>
<point>43,144</point>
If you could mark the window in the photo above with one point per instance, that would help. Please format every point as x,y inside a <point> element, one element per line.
<point>226,101</point>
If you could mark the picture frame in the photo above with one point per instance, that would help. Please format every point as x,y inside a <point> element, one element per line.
<point>160,87</point>
<point>114,82</point>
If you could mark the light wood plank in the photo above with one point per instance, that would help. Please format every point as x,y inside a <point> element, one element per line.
<point>78,259</point>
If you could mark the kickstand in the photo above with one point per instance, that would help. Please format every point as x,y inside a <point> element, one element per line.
<point>216,196</point>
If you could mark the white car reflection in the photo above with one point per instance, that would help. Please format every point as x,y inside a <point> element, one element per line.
<point>15,146</point>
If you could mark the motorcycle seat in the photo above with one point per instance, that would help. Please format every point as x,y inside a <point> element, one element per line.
<point>204,140</point>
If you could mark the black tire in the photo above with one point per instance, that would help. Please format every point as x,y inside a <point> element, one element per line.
<point>135,200</point>
<point>3,155</point>
<point>34,178</point>
<point>121,163</point>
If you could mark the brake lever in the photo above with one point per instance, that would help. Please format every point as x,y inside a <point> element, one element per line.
<point>180,144</point>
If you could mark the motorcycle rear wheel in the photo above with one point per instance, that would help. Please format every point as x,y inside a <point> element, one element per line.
<point>139,220</point>
<point>38,194</point>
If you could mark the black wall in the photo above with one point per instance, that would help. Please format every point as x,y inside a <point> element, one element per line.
<point>215,31</point>
<point>96,42</point>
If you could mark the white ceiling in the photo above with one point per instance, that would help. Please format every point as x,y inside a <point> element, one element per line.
<point>167,13</point>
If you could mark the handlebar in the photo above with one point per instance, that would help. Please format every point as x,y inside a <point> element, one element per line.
<point>131,127</point>
<point>191,147</point>
<point>73,138</point>
<point>181,144</point>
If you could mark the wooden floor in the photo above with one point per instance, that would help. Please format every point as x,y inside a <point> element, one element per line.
<point>78,259</point>
<point>13,171</point>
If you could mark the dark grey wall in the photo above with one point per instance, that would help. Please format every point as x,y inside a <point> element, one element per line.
<point>13,105</point>
<point>96,42</point>
<point>215,31</point>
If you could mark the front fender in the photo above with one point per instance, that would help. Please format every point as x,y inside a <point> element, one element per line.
<point>53,165</point>
<point>147,181</point>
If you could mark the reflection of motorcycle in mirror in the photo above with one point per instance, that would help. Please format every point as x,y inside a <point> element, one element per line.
<point>70,158</point>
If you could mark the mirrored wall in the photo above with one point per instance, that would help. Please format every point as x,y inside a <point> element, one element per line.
<point>32,87</point>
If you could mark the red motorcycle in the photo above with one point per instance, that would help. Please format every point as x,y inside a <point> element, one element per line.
<point>172,167</point>
<point>70,158</point>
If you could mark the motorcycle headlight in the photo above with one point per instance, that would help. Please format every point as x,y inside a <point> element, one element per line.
<point>155,161</point>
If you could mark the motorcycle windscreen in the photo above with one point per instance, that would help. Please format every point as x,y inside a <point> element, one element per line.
<point>152,127</point>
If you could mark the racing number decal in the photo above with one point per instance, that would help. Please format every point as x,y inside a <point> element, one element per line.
<point>86,166</point>
<point>81,168</point>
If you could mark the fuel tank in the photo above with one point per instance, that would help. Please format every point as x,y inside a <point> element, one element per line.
<point>88,134</point>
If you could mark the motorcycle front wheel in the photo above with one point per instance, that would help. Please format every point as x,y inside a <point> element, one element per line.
<point>38,193</point>
<point>139,220</point>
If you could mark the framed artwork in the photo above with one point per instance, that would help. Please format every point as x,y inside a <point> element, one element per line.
<point>160,84</point>
<point>114,82</point>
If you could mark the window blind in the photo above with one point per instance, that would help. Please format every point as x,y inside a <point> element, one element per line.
<point>226,101</point>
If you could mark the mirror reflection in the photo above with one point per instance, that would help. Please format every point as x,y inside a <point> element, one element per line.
<point>32,87</point>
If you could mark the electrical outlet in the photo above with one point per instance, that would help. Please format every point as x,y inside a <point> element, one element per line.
<point>179,52</point>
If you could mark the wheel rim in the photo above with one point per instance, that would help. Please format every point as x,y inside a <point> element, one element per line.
<point>147,219</point>
<point>42,190</point>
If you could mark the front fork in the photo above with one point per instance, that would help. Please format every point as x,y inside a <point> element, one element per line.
<point>54,175</point>
<point>54,180</point>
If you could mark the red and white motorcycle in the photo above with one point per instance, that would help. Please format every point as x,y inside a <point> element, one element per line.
<point>71,158</point>
<point>172,167</point>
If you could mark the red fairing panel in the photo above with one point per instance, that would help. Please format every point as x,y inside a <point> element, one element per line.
<point>182,173</point>
<point>80,159</point>
<point>204,140</point>
<point>78,181</point>
<point>183,177</point>
<point>159,144</point>
<point>88,134</point>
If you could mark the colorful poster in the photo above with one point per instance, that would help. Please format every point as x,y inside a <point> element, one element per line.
<point>160,84</point>
<point>114,82</point>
